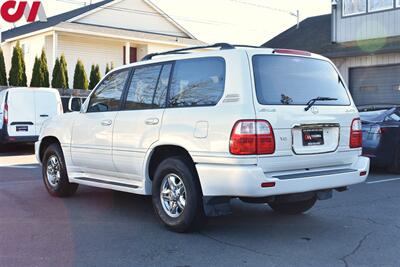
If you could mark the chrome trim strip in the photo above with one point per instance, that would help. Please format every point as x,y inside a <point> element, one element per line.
<point>313,174</point>
<point>316,125</point>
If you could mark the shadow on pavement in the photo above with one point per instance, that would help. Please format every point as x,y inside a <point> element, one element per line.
<point>16,149</point>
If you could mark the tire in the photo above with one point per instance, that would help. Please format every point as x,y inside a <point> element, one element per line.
<point>181,207</point>
<point>293,208</point>
<point>395,166</point>
<point>57,185</point>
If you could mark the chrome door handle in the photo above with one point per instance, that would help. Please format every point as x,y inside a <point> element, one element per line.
<point>106,122</point>
<point>151,121</point>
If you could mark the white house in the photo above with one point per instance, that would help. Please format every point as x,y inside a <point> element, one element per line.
<point>362,37</point>
<point>119,31</point>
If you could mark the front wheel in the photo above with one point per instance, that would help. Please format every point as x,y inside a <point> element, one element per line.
<point>177,197</point>
<point>293,208</point>
<point>55,175</point>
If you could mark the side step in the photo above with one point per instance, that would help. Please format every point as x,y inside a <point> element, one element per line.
<point>107,182</point>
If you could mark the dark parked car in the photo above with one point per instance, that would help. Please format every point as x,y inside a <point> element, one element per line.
<point>381,136</point>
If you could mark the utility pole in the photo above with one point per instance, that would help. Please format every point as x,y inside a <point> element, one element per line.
<point>297,15</point>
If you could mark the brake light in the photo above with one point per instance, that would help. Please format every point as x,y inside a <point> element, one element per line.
<point>356,134</point>
<point>5,115</point>
<point>252,137</point>
<point>292,52</point>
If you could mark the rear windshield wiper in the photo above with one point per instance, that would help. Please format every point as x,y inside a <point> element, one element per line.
<point>320,98</point>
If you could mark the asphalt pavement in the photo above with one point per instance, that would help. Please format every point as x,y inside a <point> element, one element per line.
<point>97,227</point>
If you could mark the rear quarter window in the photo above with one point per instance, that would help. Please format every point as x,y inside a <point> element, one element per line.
<point>197,82</point>
<point>290,80</point>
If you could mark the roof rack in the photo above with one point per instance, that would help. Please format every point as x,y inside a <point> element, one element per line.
<point>222,46</point>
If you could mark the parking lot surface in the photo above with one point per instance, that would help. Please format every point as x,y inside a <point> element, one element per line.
<point>97,227</point>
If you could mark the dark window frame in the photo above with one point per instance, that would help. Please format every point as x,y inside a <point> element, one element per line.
<point>197,106</point>
<point>101,82</point>
<point>367,12</point>
<point>129,81</point>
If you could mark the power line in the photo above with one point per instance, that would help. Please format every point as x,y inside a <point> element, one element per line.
<point>294,14</point>
<point>156,14</point>
<point>263,6</point>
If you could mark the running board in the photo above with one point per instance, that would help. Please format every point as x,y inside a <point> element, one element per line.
<point>107,182</point>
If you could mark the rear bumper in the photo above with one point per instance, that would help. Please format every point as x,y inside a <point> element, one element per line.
<point>245,181</point>
<point>18,139</point>
<point>5,138</point>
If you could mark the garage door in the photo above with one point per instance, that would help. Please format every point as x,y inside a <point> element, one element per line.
<point>375,85</point>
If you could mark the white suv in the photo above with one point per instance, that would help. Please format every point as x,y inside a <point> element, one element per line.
<point>195,130</point>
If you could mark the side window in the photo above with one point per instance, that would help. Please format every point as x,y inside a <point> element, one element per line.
<point>197,82</point>
<point>148,88</point>
<point>107,96</point>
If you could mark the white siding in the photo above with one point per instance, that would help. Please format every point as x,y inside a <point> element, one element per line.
<point>100,51</point>
<point>344,64</point>
<point>132,15</point>
<point>367,26</point>
<point>153,48</point>
<point>33,46</point>
<point>90,51</point>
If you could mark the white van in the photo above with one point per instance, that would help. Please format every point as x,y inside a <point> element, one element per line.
<point>23,111</point>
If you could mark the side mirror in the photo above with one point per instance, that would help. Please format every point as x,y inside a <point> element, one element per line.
<point>74,104</point>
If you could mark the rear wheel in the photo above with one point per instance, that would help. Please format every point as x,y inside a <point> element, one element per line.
<point>177,197</point>
<point>55,175</point>
<point>293,208</point>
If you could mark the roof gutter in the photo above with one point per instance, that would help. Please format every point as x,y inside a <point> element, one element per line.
<point>120,37</point>
<point>27,35</point>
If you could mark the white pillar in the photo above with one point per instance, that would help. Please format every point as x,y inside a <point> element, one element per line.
<point>127,53</point>
<point>55,47</point>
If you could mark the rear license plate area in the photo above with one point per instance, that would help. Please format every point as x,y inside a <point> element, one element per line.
<point>313,137</point>
<point>22,128</point>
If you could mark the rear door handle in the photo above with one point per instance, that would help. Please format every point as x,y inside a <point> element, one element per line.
<point>106,122</point>
<point>152,121</point>
<point>43,115</point>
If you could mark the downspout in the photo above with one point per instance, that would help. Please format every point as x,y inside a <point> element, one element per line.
<point>334,21</point>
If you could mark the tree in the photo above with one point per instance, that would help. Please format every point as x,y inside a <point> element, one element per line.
<point>64,69</point>
<point>44,71</point>
<point>95,76</point>
<point>35,80</point>
<point>109,67</point>
<point>58,79</point>
<point>17,76</point>
<point>80,77</point>
<point>3,75</point>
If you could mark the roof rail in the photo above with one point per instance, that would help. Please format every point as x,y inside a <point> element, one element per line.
<point>222,46</point>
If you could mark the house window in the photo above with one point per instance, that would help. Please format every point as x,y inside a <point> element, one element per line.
<point>376,5</point>
<point>353,7</point>
<point>398,3</point>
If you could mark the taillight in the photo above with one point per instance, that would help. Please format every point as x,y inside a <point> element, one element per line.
<point>356,134</point>
<point>252,137</point>
<point>5,115</point>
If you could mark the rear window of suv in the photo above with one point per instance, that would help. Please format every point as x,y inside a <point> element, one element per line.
<point>290,80</point>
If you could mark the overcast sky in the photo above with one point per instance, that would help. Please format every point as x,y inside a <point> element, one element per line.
<point>235,21</point>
